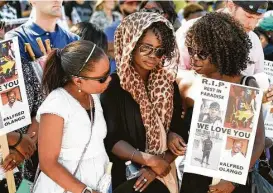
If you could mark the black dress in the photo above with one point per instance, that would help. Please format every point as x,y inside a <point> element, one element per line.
<point>124,122</point>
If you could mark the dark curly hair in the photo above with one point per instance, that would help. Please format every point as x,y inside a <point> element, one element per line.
<point>165,35</point>
<point>224,39</point>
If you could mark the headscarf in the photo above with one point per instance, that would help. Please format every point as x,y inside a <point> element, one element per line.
<point>157,100</point>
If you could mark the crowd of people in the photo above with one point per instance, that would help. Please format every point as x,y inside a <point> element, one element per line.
<point>119,85</point>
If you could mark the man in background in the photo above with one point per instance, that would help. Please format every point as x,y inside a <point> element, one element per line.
<point>43,25</point>
<point>248,13</point>
<point>126,8</point>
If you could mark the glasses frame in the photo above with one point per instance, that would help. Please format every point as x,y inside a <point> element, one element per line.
<point>154,51</point>
<point>100,79</point>
<point>201,55</point>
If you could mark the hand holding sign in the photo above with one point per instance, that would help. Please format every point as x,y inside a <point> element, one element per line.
<point>176,144</point>
<point>268,95</point>
<point>222,186</point>
<point>14,159</point>
<point>27,146</point>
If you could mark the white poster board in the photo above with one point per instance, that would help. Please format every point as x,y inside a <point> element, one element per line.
<point>223,129</point>
<point>14,109</point>
<point>268,107</point>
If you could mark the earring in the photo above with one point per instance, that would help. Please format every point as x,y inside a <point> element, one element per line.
<point>131,58</point>
<point>79,89</point>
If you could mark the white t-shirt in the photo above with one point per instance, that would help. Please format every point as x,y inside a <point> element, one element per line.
<point>256,54</point>
<point>15,108</point>
<point>238,157</point>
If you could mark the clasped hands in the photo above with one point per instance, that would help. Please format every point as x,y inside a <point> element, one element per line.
<point>157,165</point>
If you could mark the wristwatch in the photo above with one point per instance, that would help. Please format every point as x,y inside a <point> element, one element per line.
<point>87,190</point>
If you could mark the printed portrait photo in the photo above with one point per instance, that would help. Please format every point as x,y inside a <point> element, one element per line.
<point>12,101</point>
<point>7,62</point>
<point>235,149</point>
<point>206,149</point>
<point>241,108</point>
<point>211,113</point>
<point>269,114</point>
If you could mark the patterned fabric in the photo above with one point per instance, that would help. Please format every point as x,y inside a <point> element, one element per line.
<point>102,21</point>
<point>8,12</point>
<point>158,99</point>
<point>35,99</point>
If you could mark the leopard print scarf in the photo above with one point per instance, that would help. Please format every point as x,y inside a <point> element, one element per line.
<point>157,100</point>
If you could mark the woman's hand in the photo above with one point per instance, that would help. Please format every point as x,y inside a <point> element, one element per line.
<point>145,178</point>
<point>222,186</point>
<point>176,144</point>
<point>160,166</point>
<point>268,95</point>
<point>27,146</point>
<point>14,159</point>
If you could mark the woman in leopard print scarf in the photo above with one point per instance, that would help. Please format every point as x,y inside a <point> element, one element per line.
<point>147,57</point>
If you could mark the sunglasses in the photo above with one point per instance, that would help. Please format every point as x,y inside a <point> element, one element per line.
<point>147,50</point>
<point>153,10</point>
<point>100,79</point>
<point>202,55</point>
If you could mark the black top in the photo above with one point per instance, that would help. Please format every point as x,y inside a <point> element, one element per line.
<point>124,122</point>
<point>83,10</point>
<point>89,112</point>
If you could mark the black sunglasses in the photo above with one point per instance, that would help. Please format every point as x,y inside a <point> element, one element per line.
<point>147,50</point>
<point>100,79</point>
<point>202,55</point>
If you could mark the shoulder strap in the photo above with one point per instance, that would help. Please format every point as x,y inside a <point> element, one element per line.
<point>245,80</point>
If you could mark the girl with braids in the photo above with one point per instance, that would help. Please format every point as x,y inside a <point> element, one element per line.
<point>142,104</point>
<point>219,49</point>
<point>72,128</point>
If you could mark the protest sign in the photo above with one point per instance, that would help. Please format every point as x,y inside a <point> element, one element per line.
<point>14,109</point>
<point>9,24</point>
<point>268,107</point>
<point>223,129</point>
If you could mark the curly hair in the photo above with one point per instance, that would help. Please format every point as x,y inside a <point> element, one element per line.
<point>165,36</point>
<point>224,39</point>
